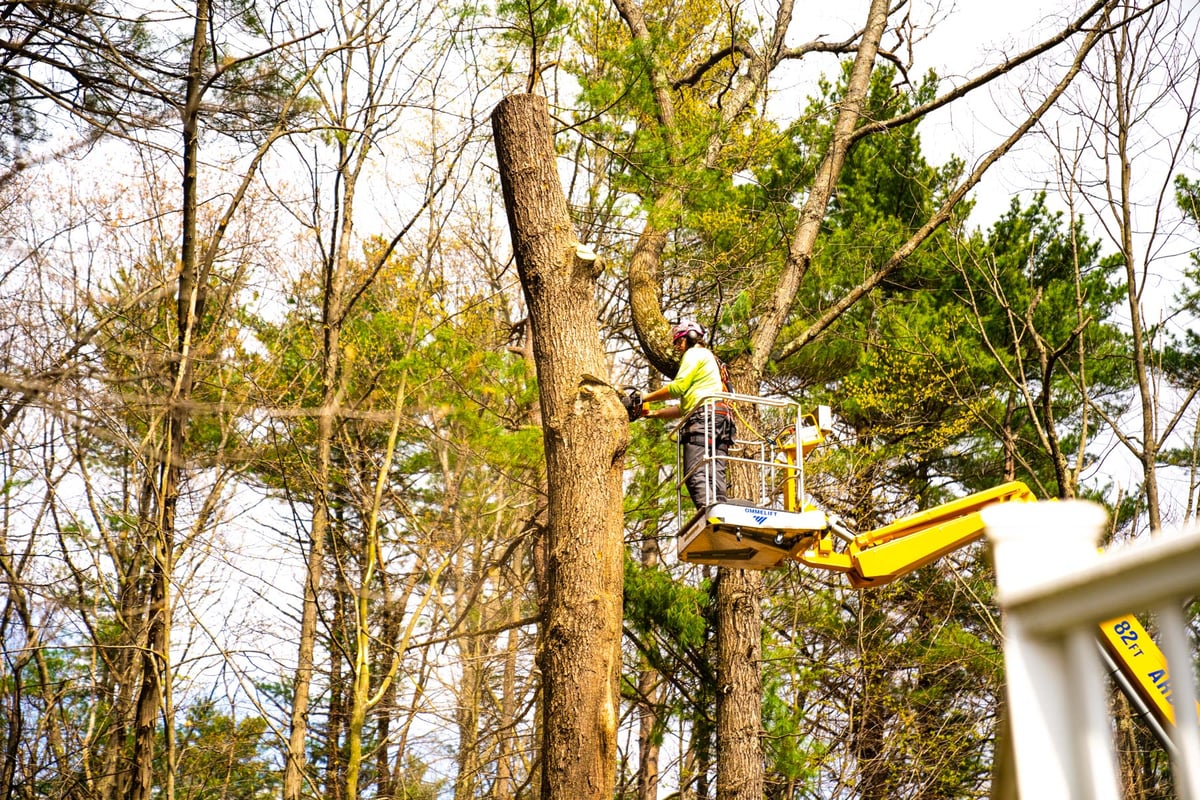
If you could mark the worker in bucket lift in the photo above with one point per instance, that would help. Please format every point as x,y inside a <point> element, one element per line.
<point>698,378</point>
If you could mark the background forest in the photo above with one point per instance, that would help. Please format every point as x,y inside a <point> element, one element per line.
<point>275,515</point>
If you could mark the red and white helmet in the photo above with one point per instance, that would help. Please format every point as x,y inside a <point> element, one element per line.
<point>685,327</point>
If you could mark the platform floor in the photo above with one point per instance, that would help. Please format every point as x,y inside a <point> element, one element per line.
<point>746,537</point>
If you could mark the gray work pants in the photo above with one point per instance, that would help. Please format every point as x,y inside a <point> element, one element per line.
<point>705,442</point>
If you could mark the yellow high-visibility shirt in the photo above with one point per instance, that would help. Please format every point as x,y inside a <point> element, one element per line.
<point>699,377</point>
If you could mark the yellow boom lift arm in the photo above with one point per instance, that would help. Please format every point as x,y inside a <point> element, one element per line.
<point>884,554</point>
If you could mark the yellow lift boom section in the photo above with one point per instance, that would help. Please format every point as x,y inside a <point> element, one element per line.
<point>884,554</point>
<point>880,556</point>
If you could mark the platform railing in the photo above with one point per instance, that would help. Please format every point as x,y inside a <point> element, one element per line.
<point>762,454</point>
<point>1054,587</point>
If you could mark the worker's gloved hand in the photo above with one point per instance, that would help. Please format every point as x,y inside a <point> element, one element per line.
<point>634,408</point>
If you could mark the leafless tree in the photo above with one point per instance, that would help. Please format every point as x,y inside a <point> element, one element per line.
<point>1124,136</point>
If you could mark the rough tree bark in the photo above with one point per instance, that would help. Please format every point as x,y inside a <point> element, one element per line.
<point>585,434</point>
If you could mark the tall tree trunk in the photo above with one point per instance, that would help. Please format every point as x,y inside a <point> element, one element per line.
<point>505,787</point>
<point>739,693</point>
<point>121,668</point>
<point>336,692</point>
<point>739,592</point>
<point>390,631</point>
<point>333,289</point>
<point>699,760</point>
<point>649,700</point>
<point>470,691</point>
<point>359,635</point>
<point>473,646</point>
<point>585,435</point>
<point>293,776</point>
<point>154,663</point>
<point>1134,288</point>
<point>868,735</point>
<point>739,670</point>
<point>154,693</point>
<point>12,736</point>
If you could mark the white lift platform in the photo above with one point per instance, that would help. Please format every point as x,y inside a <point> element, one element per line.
<point>732,535</point>
<point>779,523</point>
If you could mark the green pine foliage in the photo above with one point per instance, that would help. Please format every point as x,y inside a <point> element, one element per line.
<point>667,613</point>
<point>220,757</point>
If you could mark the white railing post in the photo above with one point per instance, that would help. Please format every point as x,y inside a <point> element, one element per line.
<point>1056,689</point>
<point>1177,648</point>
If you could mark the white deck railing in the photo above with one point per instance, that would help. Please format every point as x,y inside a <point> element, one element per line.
<point>1054,588</point>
